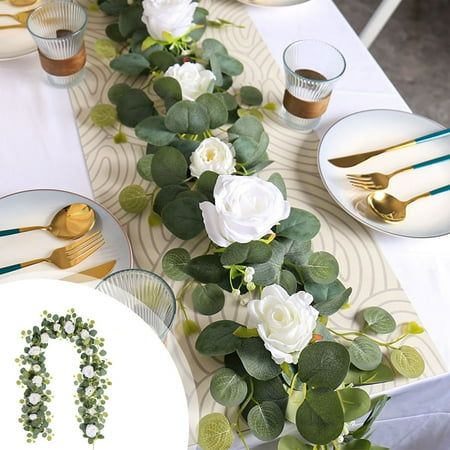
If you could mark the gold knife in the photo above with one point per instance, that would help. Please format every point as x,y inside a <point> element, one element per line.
<point>94,272</point>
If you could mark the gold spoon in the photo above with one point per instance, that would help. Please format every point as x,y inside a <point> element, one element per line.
<point>22,2</point>
<point>391,209</point>
<point>20,17</point>
<point>71,222</point>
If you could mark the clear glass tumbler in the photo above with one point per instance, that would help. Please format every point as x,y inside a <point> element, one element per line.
<point>58,28</point>
<point>312,68</point>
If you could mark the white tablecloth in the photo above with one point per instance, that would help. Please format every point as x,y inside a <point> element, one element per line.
<point>40,148</point>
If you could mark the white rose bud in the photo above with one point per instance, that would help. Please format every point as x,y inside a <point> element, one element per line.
<point>69,327</point>
<point>285,323</point>
<point>251,286</point>
<point>244,300</point>
<point>89,351</point>
<point>194,79</point>
<point>36,368</point>
<point>245,209</point>
<point>88,371</point>
<point>214,155</point>
<point>37,380</point>
<point>85,334</point>
<point>236,293</point>
<point>91,431</point>
<point>89,391</point>
<point>34,351</point>
<point>34,398</point>
<point>45,338</point>
<point>32,416</point>
<point>56,327</point>
<point>171,16</point>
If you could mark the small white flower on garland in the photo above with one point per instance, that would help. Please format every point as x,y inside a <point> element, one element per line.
<point>91,382</point>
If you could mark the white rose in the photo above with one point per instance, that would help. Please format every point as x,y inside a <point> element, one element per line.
<point>89,391</point>
<point>45,338</point>
<point>285,323</point>
<point>91,431</point>
<point>214,155</point>
<point>69,327</point>
<point>88,371</point>
<point>34,398</point>
<point>89,351</point>
<point>171,16</point>
<point>32,416</point>
<point>37,380</point>
<point>92,411</point>
<point>34,351</point>
<point>85,334</point>
<point>245,209</point>
<point>194,79</point>
<point>56,327</point>
<point>36,368</point>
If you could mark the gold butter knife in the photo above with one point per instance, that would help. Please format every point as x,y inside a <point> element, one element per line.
<point>94,272</point>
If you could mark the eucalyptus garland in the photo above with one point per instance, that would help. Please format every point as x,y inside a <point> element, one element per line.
<point>206,144</point>
<point>91,383</point>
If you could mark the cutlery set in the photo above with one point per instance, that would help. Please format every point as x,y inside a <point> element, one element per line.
<point>386,206</point>
<point>21,17</point>
<point>72,222</point>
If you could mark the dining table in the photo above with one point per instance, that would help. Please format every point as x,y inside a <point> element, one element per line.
<point>40,149</point>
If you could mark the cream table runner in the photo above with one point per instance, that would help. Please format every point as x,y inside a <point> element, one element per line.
<point>112,167</point>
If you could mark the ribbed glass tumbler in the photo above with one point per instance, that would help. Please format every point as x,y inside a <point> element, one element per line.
<point>58,28</point>
<point>312,68</point>
<point>147,294</point>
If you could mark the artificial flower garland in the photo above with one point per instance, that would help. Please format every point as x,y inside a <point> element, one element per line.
<point>205,147</point>
<point>92,382</point>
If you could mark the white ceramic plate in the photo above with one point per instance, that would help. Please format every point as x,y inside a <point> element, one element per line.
<point>370,130</point>
<point>38,207</point>
<point>15,42</point>
<point>272,2</point>
<point>147,406</point>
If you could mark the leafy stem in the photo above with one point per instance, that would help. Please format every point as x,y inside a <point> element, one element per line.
<point>388,344</point>
<point>180,297</point>
<point>241,409</point>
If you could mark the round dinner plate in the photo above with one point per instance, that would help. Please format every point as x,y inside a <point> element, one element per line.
<point>37,207</point>
<point>147,406</point>
<point>374,129</point>
<point>15,42</point>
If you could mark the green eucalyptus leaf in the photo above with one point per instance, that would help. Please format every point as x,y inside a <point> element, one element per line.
<point>254,112</point>
<point>133,199</point>
<point>328,298</point>
<point>251,96</point>
<point>254,252</point>
<point>113,7</point>
<point>407,361</point>
<point>257,360</point>
<point>323,364</point>
<point>200,15</point>
<point>161,60</point>
<point>130,64</point>
<point>246,149</point>
<point>255,168</point>
<point>228,388</point>
<point>187,117</point>
<point>357,377</point>
<point>278,181</point>
<point>245,333</point>
<point>215,432</point>
<point>130,19</point>
<point>103,115</point>
<point>297,253</point>
<point>112,31</point>
<point>206,269</point>
<point>289,372</point>
<point>195,195</point>
<point>208,300</point>
<point>378,404</point>
<point>144,167</point>
<point>365,354</point>
<point>133,106</point>
<point>300,226</point>
<point>153,131</point>
<point>213,47</point>
<point>168,89</point>
<point>206,184</point>
<point>173,263</point>
<point>357,444</point>
<point>183,218</point>
<point>168,167</point>
<point>288,282</point>
<point>218,114</point>
<point>217,339</point>
<point>292,443</point>
<point>116,91</point>
<point>355,403</point>
<point>269,272</point>
<point>186,146</point>
<point>266,421</point>
<point>214,62</point>
<point>229,100</point>
<point>166,195</point>
<point>296,398</point>
<point>379,320</point>
<point>322,267</point>
<point>271,390</point>
<point>246,126</point>
<point>320,418</point>
<point>231,66</point>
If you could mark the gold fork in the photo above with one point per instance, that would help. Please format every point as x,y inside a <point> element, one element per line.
<point>9,27</point>
<point>67,256</point>
<point>376,180</point>
<point>20,17</point>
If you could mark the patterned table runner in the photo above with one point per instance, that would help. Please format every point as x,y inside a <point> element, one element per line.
<point>112,167</point>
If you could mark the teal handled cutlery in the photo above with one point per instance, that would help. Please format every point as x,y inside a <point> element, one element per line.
<point>376,180</point>
<point>353,160</point>
<point>391,209</point>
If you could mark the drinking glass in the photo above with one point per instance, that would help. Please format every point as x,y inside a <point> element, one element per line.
<point>147,294</point>
<point>312,68</point>
<point>58,28</point>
